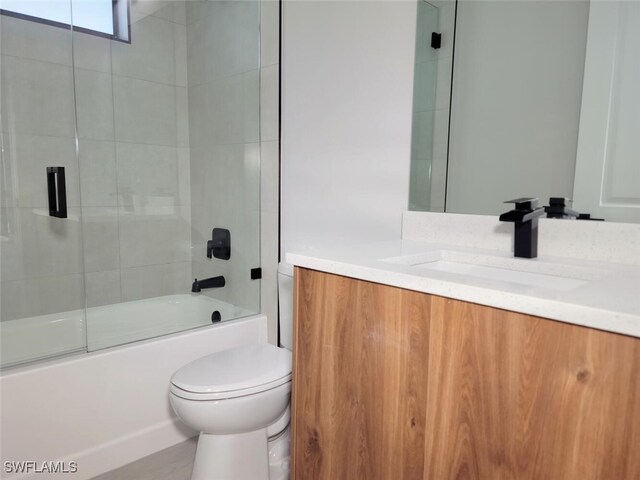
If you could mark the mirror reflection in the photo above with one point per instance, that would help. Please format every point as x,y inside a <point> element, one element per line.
<point>431,98</point>
<point>543,103</point>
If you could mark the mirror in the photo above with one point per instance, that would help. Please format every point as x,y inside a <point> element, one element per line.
<point>544,103</point>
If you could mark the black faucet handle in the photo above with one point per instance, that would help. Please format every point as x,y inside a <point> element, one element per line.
<point>560,201</point>
<point>587,216</point>
<point>559,208</point>
<point>525,203</point>
<point>526,209</point>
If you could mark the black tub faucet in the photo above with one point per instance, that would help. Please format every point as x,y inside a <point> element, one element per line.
<point>525,221</point>
<point>213,282</point>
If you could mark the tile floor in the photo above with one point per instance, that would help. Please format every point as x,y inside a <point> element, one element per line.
<point>173,463</point>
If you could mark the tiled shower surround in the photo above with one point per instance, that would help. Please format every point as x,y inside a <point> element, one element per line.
<point>169,147</point>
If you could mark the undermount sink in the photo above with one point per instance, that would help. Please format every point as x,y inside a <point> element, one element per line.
<point>548,274</point>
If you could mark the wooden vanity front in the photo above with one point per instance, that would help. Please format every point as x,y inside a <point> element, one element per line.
<point>396,384</point>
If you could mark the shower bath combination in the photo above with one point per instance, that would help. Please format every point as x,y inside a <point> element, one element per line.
<point>118,153</point>
<point>122,146</point>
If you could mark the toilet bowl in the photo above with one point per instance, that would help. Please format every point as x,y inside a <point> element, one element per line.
<point>238,399</point>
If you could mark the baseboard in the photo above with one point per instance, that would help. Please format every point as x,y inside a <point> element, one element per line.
<point>121,451</point>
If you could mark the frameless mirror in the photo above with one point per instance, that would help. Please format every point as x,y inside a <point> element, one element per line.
<point>543,102</point>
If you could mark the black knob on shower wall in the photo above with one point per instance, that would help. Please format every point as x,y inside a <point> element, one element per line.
<point>220,244</point>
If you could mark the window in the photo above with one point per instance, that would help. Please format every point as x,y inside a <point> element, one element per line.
<point>107,18</point>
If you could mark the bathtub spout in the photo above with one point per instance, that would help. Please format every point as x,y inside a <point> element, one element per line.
<point>213,282</point>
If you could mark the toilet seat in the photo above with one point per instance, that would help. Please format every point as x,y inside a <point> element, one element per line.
<point>233,373</point>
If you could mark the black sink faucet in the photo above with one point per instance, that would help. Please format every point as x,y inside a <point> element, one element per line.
<point>559,208</point>
<point>213,282</point>
<point>525,220</point>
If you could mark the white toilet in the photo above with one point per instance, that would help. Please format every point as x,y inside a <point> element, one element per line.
<point>239,401</point>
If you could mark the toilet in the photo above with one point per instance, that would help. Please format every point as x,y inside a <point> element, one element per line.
<point>238,399</point>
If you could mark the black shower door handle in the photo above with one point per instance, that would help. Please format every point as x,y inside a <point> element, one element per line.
<point>57,189</point>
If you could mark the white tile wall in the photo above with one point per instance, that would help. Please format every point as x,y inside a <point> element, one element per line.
<point>98,173</point>
<point>103,288</point>
<point>155,280</point>
<point>37,97</point>
<point>180,52</point>
<point>154,235</point>
<point>182,117</point>
<point>151,54</point>
<point>174,12</point>
<point>30,40</point>
<point>221,39</point>
<point>16,256</point>
<point>145,112</point>
<point>91,52</point>
<point>100,231</point>
<point>269,32</point>
<point>58,293</point>
<point>270,170</point>
<point>148,175</point>
<point>94,104</point>
<point>58,245</point>
<point>269,114</point>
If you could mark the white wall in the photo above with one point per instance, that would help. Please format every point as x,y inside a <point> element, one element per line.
<point>347,87</point>
<point>518,72</point>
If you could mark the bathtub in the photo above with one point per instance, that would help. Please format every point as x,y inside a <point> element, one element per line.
<point>109,407</point>
<point>102,327</point>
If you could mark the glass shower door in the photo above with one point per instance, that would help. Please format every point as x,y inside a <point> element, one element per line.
<point>155,123</point>
<point>168,132</point>
<point>42,296</point>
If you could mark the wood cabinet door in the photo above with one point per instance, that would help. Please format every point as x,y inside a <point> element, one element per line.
<point>518,397</point>
<point>359,379</point>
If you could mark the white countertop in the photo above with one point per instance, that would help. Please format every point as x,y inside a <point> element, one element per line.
<point>599,295</point>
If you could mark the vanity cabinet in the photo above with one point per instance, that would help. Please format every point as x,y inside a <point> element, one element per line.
<point>396,384</point>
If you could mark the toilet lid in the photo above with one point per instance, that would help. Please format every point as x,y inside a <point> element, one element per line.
<point>252,368</point>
